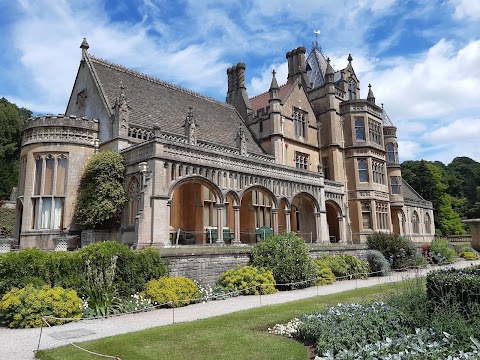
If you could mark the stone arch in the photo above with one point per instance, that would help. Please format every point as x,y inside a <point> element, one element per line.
<point>258,206</point>
<point>428,224</point>
<point>415,223</point>
<point>334,218</point>
<point>196,205</point>
<point>234,195</point>
<point>263,189</point>
<point>133,201</point>
<point>207,182</point>
<point>302,216</point>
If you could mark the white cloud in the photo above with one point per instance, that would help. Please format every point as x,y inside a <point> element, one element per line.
<point>466,9</point>
<point>262,83</point>
<point>408,149</point>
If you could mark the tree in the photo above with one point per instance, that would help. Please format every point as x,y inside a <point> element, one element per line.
<point>101,194</point>
<point>11,120</point>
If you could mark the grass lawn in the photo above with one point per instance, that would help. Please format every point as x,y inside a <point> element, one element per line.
<point>241,335</point>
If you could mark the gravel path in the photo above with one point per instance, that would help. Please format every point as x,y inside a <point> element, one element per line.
<point>20,344</point>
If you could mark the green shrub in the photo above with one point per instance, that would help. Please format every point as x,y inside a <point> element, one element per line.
<point>455,289</point>
<point>69,269</point>
<point>129,273</point>
<point>171,291</point>
<point>378,264</point>
<point>346,266</point>
<point>467,255</point>
<point>325,275</point>
<point>25,307</point>
<point>287,256</point>
<point>441,253</point>
<point>101,195</point>
<point>248,280</point>
<point>398,250</point>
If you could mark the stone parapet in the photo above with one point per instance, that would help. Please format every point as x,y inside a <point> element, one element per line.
<point>64,129</point>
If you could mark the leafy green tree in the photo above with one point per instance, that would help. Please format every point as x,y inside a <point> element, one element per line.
<point>101,194</point>
<point>11,120</point>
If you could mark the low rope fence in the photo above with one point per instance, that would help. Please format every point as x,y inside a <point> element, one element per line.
<point>299,284</point>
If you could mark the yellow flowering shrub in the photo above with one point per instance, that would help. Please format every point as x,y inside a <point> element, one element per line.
<point>325,274</point>
<point>468,255</point>
<point>171,291</point>
<point>25,307</point>
<point>248,280</point>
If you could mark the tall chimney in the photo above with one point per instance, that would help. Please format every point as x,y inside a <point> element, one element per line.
<point>290,64</point>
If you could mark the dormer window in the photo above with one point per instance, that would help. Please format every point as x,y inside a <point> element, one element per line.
<point>352,89</point>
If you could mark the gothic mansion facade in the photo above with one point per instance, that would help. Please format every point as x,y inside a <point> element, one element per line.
<point>309,157</point>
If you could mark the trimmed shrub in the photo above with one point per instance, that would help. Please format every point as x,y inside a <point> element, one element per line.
<point>378,264</point>
<point>325,275</point>
<point>114,267</point>
<point>467,255</point>
<point>248,280</point>
<point>25,307</point>
<point>287,256</point>
<point>398,250</point>
<point>171,291</point>
<point>69,269</point>
<point>441,253</point>
<point>346,266</point>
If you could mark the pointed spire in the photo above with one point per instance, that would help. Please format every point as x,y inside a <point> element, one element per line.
<point>370,97</point>
<point>329,72</point>
<point>241,140</point>
<point>274,84</point>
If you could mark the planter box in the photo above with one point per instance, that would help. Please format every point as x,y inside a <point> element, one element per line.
<point>5,245</point>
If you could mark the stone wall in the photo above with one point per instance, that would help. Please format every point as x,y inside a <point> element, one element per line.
<point>206,266</point>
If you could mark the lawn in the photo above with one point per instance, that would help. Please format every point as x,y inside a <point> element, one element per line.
<point>241,335</point>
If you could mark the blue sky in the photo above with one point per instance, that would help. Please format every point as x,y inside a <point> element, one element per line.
<point>421,57</point>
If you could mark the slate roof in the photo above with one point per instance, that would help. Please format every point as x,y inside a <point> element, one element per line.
<point>154,101</point>
<point>261,101</point>
<point>410,193</point>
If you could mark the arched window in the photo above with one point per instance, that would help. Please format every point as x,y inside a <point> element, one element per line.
<point>359,129</point>
<point>133,196</point>
<point>352,89</point>
<point>415,223</point>
<point>362,171</point>
<point>395,184</point>
<point>392,157</point>
<point>428,224</point>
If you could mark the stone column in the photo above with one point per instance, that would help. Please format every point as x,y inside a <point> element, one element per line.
<point>288,225</point>
<point>318,232</point>
<point>160,222</point>
<point>275,221</point>
<point>220,208</point>
<point>236,220</point>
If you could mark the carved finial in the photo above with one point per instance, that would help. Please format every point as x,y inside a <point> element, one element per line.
<point>190,127</point>
<point>84,45</point>
<point>350,58</point>
<point>370,96</point>
<point>241,140</point>
<point>273,72</point>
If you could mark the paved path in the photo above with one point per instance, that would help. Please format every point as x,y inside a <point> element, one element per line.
<point>20,344</point>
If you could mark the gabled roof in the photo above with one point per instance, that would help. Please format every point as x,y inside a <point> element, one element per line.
<point>261,101</point>
<point>152,101</point>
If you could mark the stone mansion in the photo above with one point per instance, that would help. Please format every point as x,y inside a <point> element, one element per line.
<point>309,156</point>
